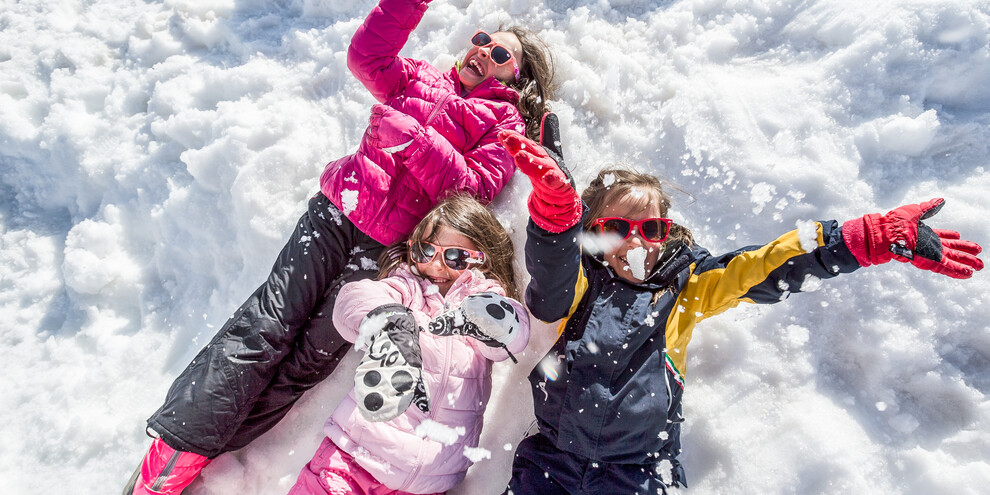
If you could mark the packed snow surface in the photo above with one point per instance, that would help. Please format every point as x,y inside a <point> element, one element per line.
<point>154,157</point>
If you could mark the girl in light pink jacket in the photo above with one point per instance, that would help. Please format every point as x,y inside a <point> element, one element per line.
<point>438,319</point>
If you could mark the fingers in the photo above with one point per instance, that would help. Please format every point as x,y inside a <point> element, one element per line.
<point>963,257</point>
<point>530,158</point>
<point>515,143</point>
<point>954,263</point>
<point>946,234</point>
<point>945,267</point>
<point>957,244</point>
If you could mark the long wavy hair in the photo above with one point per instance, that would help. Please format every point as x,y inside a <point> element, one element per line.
<point>473,220</point>
<point>536,85</point>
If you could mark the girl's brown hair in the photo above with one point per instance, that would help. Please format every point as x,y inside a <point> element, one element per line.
<point>536,85</point>
<point>614,183</point>
<point>470,218</point>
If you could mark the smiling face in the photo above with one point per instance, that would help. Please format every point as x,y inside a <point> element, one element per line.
<point>634,258</point>
<point>478,65</point>
<point>436,271</point>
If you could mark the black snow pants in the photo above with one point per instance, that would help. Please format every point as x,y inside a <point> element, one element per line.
<point>278,344</point>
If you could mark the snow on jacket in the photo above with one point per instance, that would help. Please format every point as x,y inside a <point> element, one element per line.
<point>622,350</point>
<point>457,372</point>
<point>455,148</point>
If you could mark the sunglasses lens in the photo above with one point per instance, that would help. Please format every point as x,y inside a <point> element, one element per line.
<point>501,55</point>
<point>616,226</point>
<point>422,252</point>
<point>481,39</point>
<point>653,230</point>
<point>456,258</point>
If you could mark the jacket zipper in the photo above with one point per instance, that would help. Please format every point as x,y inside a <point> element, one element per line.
<point>430,416</point>
<point>436,109</point>
<point>169,466</point>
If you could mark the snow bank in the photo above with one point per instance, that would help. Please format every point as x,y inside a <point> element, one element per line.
<point>155,156</point>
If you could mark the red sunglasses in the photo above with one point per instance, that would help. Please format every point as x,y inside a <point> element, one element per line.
<point>650,229</point>
<point>498,53</point>
<point>454,257</point>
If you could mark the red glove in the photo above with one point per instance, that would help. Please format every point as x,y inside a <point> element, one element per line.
<point>554,205</point>
<point>391,130</point>
<point>900,235</point>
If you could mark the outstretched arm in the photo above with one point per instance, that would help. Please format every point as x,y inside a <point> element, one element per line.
<point>766,274</point>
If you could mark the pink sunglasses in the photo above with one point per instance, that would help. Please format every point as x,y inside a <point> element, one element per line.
<point>498,53</point>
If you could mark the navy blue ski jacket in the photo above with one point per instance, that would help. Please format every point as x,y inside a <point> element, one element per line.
<point>610,389</point>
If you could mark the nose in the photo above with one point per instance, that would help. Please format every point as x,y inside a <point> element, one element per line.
<point>437,261</point>
<point>636,238</point>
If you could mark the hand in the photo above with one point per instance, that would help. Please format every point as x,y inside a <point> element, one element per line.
<point>391,130</point>
<point>554,204</point>
<point>390,375</point>
<point>901,235</point>
<point>494,316</point>
<point>487,317</point>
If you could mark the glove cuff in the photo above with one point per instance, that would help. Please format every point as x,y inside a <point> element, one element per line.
<point>554,218</point>
<point>856,239</point>
<point>388,310</point>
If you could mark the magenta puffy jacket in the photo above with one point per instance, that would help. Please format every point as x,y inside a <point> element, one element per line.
<point>455,148</point>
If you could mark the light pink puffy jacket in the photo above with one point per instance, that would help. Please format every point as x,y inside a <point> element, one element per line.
<point>455,149</point>
<point>457,372</point>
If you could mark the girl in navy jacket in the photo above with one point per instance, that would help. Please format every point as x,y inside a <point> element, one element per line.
<point>628,287</point>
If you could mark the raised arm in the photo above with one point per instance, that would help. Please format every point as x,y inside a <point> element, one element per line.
<point>553,250</point>
<point>373,56</point>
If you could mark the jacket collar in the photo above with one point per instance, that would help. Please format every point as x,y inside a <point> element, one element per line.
<point>489,89</point>
<point>469,282</point>
<point>675,258</point>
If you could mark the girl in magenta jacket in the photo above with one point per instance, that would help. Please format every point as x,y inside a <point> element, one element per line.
<point>433,134</point>
<point>458,256</point>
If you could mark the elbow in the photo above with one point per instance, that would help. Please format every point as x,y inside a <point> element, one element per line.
<point>545,310</point>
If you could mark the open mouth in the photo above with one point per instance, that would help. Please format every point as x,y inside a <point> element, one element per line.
<point>476,67</point>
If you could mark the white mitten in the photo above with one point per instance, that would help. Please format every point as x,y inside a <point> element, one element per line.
<point>390,376</point>
<point>486,316</point>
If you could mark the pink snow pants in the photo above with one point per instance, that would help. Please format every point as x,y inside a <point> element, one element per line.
<point>334,472</point>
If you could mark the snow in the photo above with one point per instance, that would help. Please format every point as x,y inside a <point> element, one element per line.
<point>439,432</point>
<point>154,157</point>
<point>637,262</point>
<point>477,454</point>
